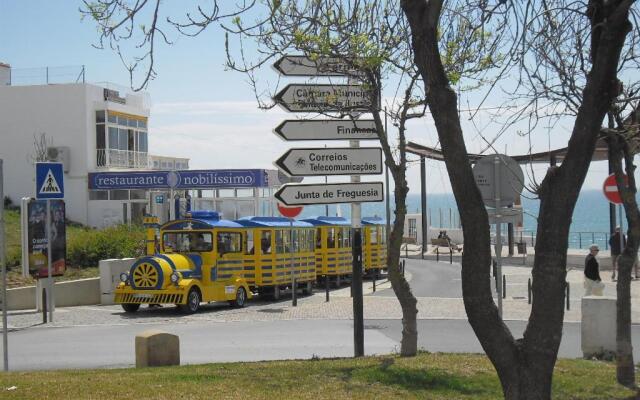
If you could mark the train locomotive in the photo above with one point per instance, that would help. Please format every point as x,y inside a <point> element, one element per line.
<point>203,258</point>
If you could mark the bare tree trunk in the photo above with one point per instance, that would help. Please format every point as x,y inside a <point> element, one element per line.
<point>625,368</point>
<point>408,302</point>
<point>525,367</point>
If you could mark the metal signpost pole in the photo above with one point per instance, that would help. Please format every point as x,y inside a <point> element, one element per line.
<point>356,277</point>
<point>49,257</point>
<point>621,230</point>
<point>5,340</point>
<point>496,170</point>
<point>294,298</point>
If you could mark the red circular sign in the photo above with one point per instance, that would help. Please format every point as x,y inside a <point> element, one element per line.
<point>610,188</point>
<point>289,212</point>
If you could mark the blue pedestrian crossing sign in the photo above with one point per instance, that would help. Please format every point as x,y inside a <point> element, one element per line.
<point>49,181</point>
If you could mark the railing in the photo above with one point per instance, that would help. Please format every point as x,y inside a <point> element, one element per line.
<point>577,240</point>
<point>47,75</point>
<point>111,158</point>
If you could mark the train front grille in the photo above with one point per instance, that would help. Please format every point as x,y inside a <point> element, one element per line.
<point>144,298</point>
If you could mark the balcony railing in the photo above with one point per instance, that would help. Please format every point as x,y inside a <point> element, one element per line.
<point>111,158</point>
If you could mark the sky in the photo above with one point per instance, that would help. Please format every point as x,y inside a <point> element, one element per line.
<point>203,112</point>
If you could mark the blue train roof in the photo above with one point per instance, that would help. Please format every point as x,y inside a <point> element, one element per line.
<point>271,222</point>
<point>323,220</point>
<point>202,219</point>
<point>373,221</point>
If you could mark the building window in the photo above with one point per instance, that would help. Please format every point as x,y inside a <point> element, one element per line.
<point>413,231</point>
<point>100,117</point>
<point>118,195</point>
<point>98,195</point>
<point>138,194</point>
<point>100,139</point>
<point>113,138</point>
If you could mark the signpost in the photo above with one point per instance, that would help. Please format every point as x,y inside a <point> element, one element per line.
<point>49,185</point>
<point>330,193</point>
<point>298,65</point>
<point>610,188</point>
<point>500,180</point>
<point>328,129</point>
<point>291,213</point>
<point>331,161</point>
<point>611,192</point>
<point>354,161</point>
<point>323,98</point>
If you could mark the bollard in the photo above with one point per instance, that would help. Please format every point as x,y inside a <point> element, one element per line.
<point>44,306</point>
<point>450,255</point>
<point>294,293</point>
<point>374,283</point>
<point>437,255</point>
<point>494,268</point>
<point>568,298</point>
<point>403,264</point>
<point>406,250</point>
<point>156,348</point>
<point>504,286</point>
<point>326,286</point>
<point>529,290</point>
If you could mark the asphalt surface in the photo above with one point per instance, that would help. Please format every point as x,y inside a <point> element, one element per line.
<point>104,336</point>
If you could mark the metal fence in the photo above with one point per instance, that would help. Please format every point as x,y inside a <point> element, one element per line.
<point>577,240</point>
<point>47,75</point>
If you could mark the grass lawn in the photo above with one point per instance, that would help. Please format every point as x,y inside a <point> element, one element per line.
<point>427,376</point>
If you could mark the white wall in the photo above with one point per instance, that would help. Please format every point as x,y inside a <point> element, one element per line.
<point>66,113</point>
<point>59,111</point>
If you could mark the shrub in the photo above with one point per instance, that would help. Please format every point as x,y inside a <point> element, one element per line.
<point>91,246</point>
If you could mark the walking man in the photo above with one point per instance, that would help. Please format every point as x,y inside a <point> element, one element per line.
<point>616,244</point>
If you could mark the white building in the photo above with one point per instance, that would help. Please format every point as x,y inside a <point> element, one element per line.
<point>90,128</point>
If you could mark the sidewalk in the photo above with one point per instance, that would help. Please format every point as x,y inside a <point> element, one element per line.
<point>575,257</point>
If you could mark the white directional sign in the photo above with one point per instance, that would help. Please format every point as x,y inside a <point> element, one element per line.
<point>321,66</point>
<point>323,98</point>
<point>328,129</point>
<point>332,193</point>
<point>332,161</point>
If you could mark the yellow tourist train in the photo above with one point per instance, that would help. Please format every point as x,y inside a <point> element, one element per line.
<point>203,258</point>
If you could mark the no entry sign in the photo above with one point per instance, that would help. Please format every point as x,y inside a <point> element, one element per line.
<point>610,188</point>
<point>289,212</point>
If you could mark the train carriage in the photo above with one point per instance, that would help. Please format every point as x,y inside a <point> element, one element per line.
<point>374,245</point>
<point>333,247</point>
<point>278,251</point>
<point>200,259</point>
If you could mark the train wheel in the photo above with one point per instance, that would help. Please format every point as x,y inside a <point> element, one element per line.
<point>241,298</point>
<point>130,307</point>
<point>193,302</point>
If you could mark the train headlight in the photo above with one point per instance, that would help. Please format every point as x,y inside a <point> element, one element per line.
<point>175,277</point>
<point>124,277</point>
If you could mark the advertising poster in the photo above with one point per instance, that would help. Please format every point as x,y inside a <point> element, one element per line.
<point>37,212</point>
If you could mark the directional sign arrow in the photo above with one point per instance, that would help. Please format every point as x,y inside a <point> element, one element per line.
<point>290,65</point>
<point>328,129</point>
<point>332,161</point>
<point>323,98</point>
<point>332,193</point>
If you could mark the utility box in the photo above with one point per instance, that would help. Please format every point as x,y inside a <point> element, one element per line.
<point>110,271</point>
<point>598,326</point>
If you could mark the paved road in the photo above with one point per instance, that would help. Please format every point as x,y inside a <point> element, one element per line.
<point>103,336</point>
<point>431,279</point>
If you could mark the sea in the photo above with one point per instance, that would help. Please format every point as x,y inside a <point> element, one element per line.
<point>590,222</point>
